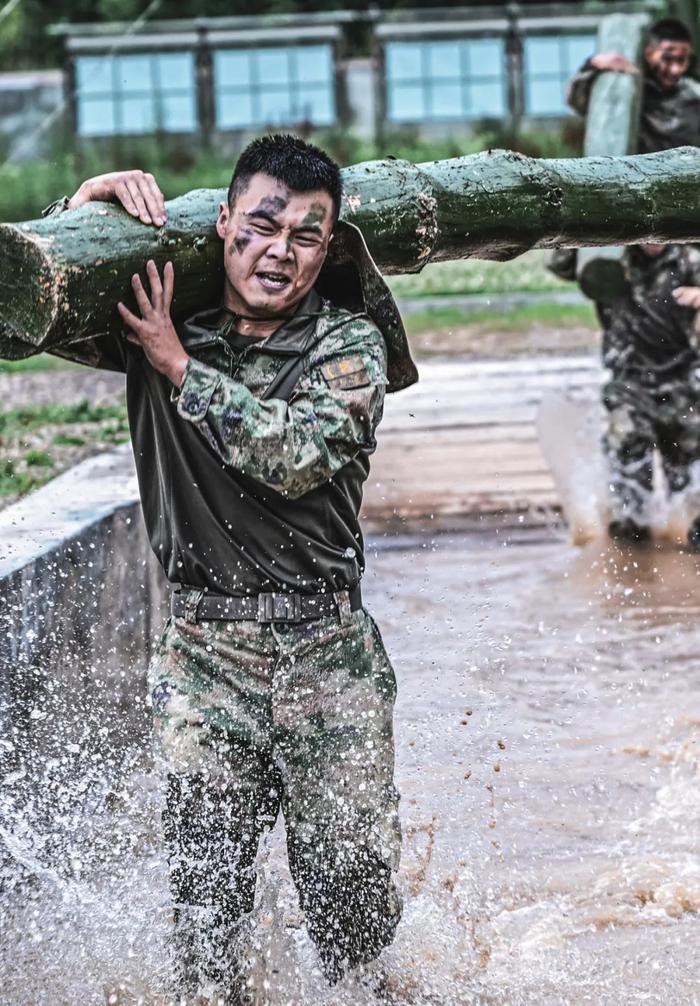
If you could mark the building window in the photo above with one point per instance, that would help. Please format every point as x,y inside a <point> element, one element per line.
<point>135,94</point>
<point>461,79</point>
<point>550,60</point>
<point>274,86</point>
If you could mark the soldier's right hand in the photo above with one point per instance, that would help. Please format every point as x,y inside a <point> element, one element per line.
<point>137,191</point>
<point>687,296</point>
<point>613,61</point>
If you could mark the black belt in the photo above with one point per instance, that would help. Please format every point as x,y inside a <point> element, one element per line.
<point>198,606</point>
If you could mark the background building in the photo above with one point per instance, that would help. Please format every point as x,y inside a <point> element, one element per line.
<point>222,79</point>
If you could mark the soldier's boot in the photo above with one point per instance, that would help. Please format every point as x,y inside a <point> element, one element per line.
<point>628,532</point>
<point>206,970</point>
<point>694,536</point>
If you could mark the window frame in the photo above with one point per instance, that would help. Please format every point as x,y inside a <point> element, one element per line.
<point>117,96</point>
<point>562,76</point>
<point>426,82</point>
<point>292,86</point>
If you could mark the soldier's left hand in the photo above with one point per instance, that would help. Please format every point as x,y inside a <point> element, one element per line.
<point>154,330</point>
<point>688,296</point>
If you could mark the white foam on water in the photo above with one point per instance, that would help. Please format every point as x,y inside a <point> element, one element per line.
<point>548,724</point>
<point>570,429</point>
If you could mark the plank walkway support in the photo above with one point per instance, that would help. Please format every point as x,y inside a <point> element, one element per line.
<point>612,129</point>
<point>60,277</point>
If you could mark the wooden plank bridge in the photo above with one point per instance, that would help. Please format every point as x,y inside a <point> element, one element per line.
<point>464,439</point>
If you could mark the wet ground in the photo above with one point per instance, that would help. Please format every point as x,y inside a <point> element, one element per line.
<point>547,730</point>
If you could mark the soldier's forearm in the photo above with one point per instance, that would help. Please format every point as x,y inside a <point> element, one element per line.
<point>579,90</point>
<point>292,449</point>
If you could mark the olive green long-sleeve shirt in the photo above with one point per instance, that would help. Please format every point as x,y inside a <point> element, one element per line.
<point>243,491</point>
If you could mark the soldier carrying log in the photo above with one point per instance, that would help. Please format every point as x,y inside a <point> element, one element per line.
<point>253,423</point>
<point>651,348</point>
<point>650,336</point>
<point>670,108</point>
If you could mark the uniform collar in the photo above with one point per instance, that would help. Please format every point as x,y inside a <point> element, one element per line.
<point>291,338</point>
<point>349,280</point>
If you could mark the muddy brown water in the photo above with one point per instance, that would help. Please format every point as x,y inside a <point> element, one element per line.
<point>547,728</point>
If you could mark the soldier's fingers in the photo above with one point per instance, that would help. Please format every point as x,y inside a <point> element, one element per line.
<point>135,193</point>
<point>153,198</point>
<point>129,319</point>
<point>687,296</point>
<point>156,285</point>
<point>144,304</point>
<point>168,285</point>
<point>124,196</point>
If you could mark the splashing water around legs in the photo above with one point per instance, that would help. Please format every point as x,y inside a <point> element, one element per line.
<point>570,432</point>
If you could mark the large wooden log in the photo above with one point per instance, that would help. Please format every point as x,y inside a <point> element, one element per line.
<point>62,276</point>
<point>687,11</point>
<point>612,128</point>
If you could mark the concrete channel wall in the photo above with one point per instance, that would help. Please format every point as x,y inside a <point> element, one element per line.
<point>81,607</point>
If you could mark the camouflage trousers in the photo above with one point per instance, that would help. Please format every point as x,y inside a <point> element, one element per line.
<point>255,717</point>
<point>645,417</point>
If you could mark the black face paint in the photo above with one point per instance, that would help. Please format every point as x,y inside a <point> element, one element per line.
<point>268,207</point>
<point>315,216</point>
<point>271,205</point>
<point>241,242</point>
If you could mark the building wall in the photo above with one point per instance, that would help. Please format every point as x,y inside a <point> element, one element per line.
<point>27,101</point>
<point>360,77</point>
<point>437,72</point>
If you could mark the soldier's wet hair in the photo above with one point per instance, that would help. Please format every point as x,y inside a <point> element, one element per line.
<point>299,165</point>
<point>669,29</point>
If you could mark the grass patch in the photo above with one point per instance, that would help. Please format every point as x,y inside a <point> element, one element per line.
<point>38,442</point>
<point>14,482</point>
<point>526,274</point>
<point>68,440</point>
<point>38,459</point>
<point>517,319</point>
<point>28,417</point>
<point>33,364</point>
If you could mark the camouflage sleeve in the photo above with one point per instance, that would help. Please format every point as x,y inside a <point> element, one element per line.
<point>691,277</point>
<point>579,90</point>
<point>617,340</point>
<point>691,271</point>
<point>57,206</point>
<point>293,447</point>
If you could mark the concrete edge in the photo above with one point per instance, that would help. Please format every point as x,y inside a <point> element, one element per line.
<point>84,495</point>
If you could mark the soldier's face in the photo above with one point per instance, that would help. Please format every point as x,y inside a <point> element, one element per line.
<point>668,61</point>
<point>275,242</point>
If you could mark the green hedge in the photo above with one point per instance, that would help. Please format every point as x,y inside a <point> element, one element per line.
<point>26,188</point>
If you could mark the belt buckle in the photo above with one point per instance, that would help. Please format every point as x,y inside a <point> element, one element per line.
<point>279,607</point>
<point>192,601</point>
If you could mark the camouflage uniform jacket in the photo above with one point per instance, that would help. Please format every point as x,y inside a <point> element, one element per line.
<point>647,334</point>
<point>243,491</point>
<point>668,118</point>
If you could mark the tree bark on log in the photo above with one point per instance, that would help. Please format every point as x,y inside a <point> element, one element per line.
<point>612,128</point>
<point>62,276</point>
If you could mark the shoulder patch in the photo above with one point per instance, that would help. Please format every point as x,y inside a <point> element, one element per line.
<point>345,374</point>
